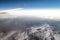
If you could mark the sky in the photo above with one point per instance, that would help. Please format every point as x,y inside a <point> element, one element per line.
<point>49,9</point>
<point>29,4</point>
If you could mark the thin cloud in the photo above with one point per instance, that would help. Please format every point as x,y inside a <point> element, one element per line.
<point>41,13</point>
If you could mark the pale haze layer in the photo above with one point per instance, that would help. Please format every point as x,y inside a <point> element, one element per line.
<point>42,13</point>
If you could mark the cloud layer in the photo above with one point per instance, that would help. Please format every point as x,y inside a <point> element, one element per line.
<point>42,13</point>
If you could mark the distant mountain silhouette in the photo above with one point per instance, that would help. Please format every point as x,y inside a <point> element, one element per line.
<point>3,13</point>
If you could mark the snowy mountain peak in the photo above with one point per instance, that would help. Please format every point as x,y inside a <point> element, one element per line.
<point>44,31</point>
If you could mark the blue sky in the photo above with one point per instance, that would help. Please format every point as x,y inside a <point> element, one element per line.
<point>39,8</point>
<point>29,4</point>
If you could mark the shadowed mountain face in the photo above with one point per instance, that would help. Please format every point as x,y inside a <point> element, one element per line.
<point>23,26</point>
<point>23,22</point>
<point>20,23</point>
